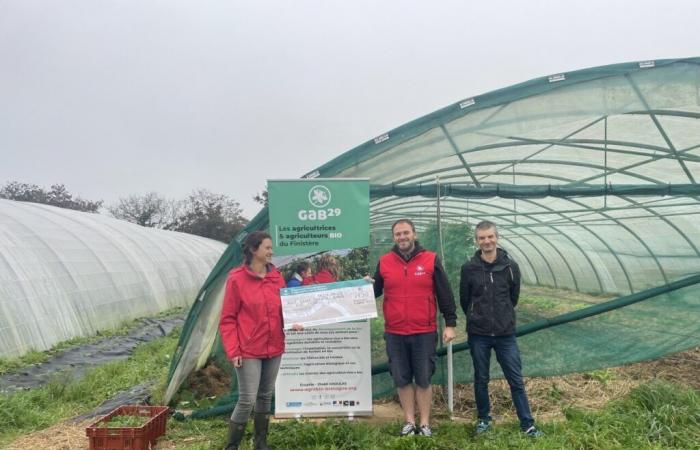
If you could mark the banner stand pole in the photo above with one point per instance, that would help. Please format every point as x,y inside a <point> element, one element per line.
<point>450,378</point>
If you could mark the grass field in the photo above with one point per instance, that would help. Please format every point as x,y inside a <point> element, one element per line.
<point>27,411</point>
<point>656,415</point>
<point>630,408</point>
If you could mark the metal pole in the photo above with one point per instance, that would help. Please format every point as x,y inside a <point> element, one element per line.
<point>450,378</point>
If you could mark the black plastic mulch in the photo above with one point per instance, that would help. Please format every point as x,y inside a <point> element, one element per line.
<point>73,362</point>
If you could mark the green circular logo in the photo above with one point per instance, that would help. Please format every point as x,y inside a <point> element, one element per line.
<point>319,196</point>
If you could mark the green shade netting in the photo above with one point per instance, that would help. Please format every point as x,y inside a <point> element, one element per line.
<point>592,178</point>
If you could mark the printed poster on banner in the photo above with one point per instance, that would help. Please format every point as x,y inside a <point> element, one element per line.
<point>320,235</point>
<point>321,304</point>
<point>326,371</point>
<point>310,216</point>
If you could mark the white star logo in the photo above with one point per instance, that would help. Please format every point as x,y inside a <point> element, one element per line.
<point>319,196</point>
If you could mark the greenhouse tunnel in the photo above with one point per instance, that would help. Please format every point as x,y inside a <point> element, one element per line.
<point>591,177</point>
<point>67,274</point>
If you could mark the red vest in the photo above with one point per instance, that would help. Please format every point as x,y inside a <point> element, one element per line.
<point>409,297</point>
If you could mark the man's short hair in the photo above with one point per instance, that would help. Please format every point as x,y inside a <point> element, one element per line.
<point>485,225</point>
<point>408,221</point>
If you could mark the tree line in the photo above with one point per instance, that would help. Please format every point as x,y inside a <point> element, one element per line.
<point>202,212</point>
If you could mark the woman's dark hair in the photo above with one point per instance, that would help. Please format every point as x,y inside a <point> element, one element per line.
<point>251,243</point>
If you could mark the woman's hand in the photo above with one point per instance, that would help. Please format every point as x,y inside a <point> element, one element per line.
<point>297,327</point>
<point>237,361</point>
<point>368,279</point>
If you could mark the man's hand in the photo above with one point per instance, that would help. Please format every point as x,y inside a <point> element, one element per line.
<point>237,361</point>
<point>368,279</point>
<point>448,334</point>
<point>297,327</point>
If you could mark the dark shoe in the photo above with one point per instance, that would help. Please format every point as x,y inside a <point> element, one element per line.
<point>425,430</point>
<point>482,426</point>
<point>533,432</point>
<point>408,429</point>
<point>235,435</point>
<point>261,424</point>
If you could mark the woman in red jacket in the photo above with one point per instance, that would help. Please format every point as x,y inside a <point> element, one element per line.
<point>252,334</point>
<point>327,271</point>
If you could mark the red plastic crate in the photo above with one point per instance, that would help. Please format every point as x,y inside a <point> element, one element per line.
<point>129,438</point>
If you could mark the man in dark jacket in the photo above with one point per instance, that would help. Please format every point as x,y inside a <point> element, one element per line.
<point>413,281</point>
<point>488,292</point>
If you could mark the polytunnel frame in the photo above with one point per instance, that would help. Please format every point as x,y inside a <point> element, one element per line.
<point>560,233</point>
<point>447,208</point>
<point>524,254</point>
<point>567,236</point>
<point>45,243</point>
<point>157,244</point>
<point>499,100</point>
<point>430,122</point>
<point>82,271</point>
<point>261,220</point>
<point>564,142</point>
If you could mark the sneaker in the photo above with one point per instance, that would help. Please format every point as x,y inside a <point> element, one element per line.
<point>408,428</point>
<point>533,432</point>
<point>425,430</point>
<point>482,426</point>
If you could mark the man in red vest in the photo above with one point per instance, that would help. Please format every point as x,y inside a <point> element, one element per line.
<point>414,285</point>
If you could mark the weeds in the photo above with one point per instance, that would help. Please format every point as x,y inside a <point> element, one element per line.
<point>27,411</point>
<point>602,376</point>
<point>653,416</point>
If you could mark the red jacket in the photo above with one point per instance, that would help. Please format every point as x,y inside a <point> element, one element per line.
<point>409,293</point>
<point>323,276</point>
<point>251,317</point>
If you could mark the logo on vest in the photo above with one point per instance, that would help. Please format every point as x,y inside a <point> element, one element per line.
<point>420,270</point>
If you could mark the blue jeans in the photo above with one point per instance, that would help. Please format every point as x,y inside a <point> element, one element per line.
<point>508,357</point>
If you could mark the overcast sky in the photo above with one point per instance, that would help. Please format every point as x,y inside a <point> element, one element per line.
<point>114,98</point>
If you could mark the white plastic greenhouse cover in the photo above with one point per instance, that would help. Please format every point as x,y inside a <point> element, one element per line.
<point>65,273</point>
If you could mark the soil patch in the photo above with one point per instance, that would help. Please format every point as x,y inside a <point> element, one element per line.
<point>209,381</point>
<point>550,396</point>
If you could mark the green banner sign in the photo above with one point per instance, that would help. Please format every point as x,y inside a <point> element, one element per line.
<point>313,215</point>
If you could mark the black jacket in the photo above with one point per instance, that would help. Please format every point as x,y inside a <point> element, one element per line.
<point>488,293</point>
<point>443,291</point>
